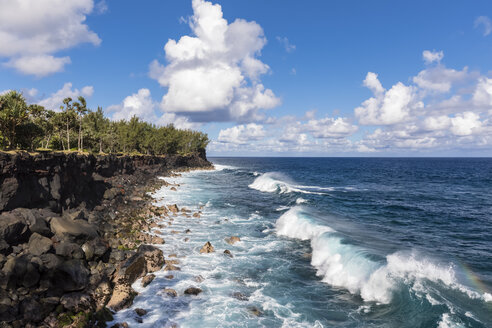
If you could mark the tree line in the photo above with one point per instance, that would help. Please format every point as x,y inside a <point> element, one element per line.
<point>76,127</point>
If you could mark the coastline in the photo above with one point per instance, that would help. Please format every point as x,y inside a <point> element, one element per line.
<point>68,257</point>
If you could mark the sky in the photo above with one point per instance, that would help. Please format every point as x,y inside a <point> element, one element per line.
<point>267,78</point>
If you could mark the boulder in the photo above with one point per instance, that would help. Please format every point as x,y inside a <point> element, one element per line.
<point>75,230</point>
<point>232,240</point>
<point>207,248</point>
<point>192,291</point>
<point>255,311</point>
<point>228,253</point>
<point>69,250</point>
<point>96,249</point>
<point>72,275</point>
<point>170,292</point>
<point>76,302</point>
<point>147,280</point>
<point>39,245</point>
<point>170,267</point>
<point>153,256</point>
<point>122,297</point>
<point>239,296</point>
<point>173,208</point>
<point>35,220</point>
<point>140,312</point>
<point>157,240</point>
<point>13,229</point>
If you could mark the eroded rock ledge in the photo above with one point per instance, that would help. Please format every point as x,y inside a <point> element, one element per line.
<point>73,234</point>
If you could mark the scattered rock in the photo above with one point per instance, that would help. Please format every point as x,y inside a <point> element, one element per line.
<point>192,291</point>
<point>170,267</point>
<point>39,245</point>
<point>170,292</point>
<point>239,296</point>
<point>255,311</point>
<point>196,215</point>
<point>169,276</point>
<point>76,302</point>
<point>153,257</point>
<point>228,253</point>
<point>74,230</point>
<point>147,280</point>
<point>13,229</point>
<point>186,239</point>
<point>207,248</point>
<point>157,240</point>
<point>173,208</point>
<point>173,189</point>
<point>232,240</point>
<point>140,312</point>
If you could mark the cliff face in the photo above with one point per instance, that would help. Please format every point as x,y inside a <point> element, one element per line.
<point>60,181</point>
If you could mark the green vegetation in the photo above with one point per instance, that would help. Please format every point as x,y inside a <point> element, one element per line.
<point>76,127</point>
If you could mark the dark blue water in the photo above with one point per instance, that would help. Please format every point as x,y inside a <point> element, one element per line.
<point>345,242</point>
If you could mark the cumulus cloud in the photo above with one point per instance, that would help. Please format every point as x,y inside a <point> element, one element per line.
<point>330,127</point>
<point>432,56</point>
<point>387,107</point>
<point>484,23</point>
<point>32,31</point>
<point>55,100</point>
<point>242,134</point>
<point>439,78</point>
<point>139,104</point>
<point>142,105</point>
<point>214,74</point>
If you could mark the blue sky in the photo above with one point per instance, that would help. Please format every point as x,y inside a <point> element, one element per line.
<point>281,78</point>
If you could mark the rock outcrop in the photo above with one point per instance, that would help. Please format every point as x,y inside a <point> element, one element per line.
<point>73,230</point>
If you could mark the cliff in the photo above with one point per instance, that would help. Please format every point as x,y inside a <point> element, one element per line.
<point>59,181</point>
<point>73,234</point>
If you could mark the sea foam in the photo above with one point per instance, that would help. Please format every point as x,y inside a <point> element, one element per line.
<point>280,183</point>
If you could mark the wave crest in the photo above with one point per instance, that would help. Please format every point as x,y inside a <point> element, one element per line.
<point>345,265</point>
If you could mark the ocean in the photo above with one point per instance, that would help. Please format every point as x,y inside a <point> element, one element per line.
<point>328,242</point>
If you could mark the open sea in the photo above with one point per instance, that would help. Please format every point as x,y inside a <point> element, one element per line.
<point>328,242</point>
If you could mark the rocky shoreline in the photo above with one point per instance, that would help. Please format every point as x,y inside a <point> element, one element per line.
<point>75,234</point>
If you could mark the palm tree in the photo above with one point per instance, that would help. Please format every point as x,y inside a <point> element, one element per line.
<point>13,113</point>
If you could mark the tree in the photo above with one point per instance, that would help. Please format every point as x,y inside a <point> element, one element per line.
<point>13,113</point>
<point>68,117</point>
<point>97,126</point>
<point>81,109</point>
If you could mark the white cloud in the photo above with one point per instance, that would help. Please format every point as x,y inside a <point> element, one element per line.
<point>439,78</point>
<point>214,74</point>
<point>31,31</point>
<point>482,96</point>
<point>242,134</point>
<point>372,83</point>
<point>485,23</point>
<point>38,65</point>
<point>387,107</point>
<point>142,105</point>
<point>55,100</point>
<point>466,124</point>
<point>330,127</point>
<point>432,56</point>
<point>289,47</point>
<point>139,104</point>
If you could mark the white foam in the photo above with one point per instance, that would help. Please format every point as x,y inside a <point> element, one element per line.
<point>219,167</point>
<point>345,265</point>
<point>278,182</point>
<point>300,201</point>
<point>447,322</point>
